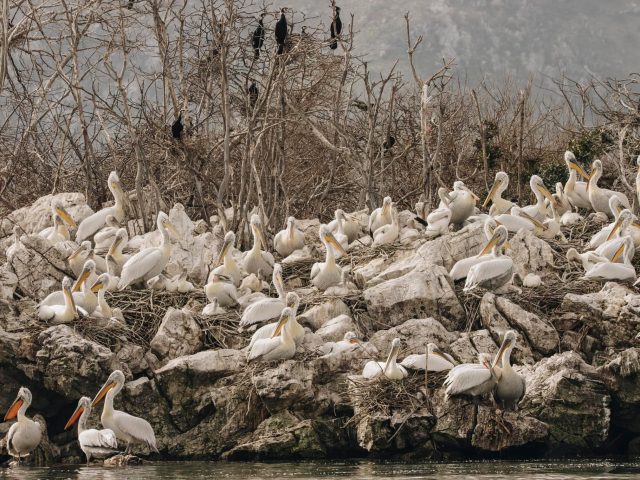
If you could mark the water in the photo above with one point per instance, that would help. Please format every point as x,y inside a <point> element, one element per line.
<point>357,470</point>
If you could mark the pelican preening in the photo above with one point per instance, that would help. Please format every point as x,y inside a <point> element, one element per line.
<point>24,435</point>
<point>256,259</point>
<point>90,225</point>
<point>327,274</point>
<point>94,443</point>
<point>390,368</point>
<point>288,240</point>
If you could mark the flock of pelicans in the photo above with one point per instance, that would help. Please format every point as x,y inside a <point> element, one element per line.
<point>236,281</point>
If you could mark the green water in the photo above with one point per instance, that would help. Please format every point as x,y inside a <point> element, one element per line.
<point>360,470</point>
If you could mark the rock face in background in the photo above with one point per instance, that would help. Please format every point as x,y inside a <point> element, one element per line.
<point>188,374</point>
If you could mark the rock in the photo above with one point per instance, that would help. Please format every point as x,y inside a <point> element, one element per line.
<point>463,350</point>
<point>122,460</point>
<point>286,385</point>
<point>317,316</point>
<point>301,255</point>
<point>334,329</point>
<point>529,253</point>
<point>179,334</point>
<point>622,376</point>
<point>414,334</point>
<point>522,430</point>
<point>8,282</point>
<point>456,422</point>
<point>415,295</point>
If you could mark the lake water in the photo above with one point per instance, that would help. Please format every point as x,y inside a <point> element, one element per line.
<point>360,470</point>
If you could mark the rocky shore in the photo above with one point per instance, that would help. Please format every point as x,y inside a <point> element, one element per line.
<point>188,376</point>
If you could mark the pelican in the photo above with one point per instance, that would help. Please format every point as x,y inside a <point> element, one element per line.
<point>255,259</point>
<point>514,221</point>
<point>253,283</point>
<point>570,218</point>
<point>78,257</point>
<point>269,307</point>
<point>149,262</point>
<point>182,285</point>
<point>90,225</point>
<point>599,197</point>
<point>511,386</point>
<point>221,289</point>
<point>60,313</point>
<point>461,268</point>
<point>338,232</point>
<point>213,308</point>
<point>271,329</point>
<point>349,342</point>
<point>497,271</point>
<point>279,347</point>
<point>562,201</point>
<point>587,259</point>
<point>84,299</point>
<point>608,270</point>
<point>127,428</point>
<point>617,237</point>
<point>104,310</point>
<point>387,234</point>
<point>24,435</point>
<point>16,245</point>
<point>288,240</point>
<point>615,205</point>
<point>539,209</point>
<point>94,443</point>
<point>327,274</point>
<point>58,210</point>
<point>473,379</point>
<point>112,268</point>
<point>104,237</point>
<point>463,203</point>
<point>350,226</point>
<point>120,240</point>
<point>229,266</point>
<point>346,287</point>
<point>60,233</point>
<point>576,191</point>
<point>500,205</point>
<point>390,368</point>
<point>380,216</point>
<point>437,360</point>
<point>438,220</point>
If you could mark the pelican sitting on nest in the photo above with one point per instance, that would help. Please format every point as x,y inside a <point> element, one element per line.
<point>213,308</point>
<point>380,216</point>
<point>149,262</point>
<point>279,347</point>
<point>611,270</point>
<point>229,266</point>
<point>615,205</point>
<point>511,385</point>
<point>269,307</point>
<point>349,342</point>
<point>387,234</point>
<point>599,197</point>
<point>500,205</point>
<point>288,240</point>
<point>221,288</point>
<point>438,221</point>
<point>85,299</point>
<point>127,428</point>
<point>90,225</point>
<point>495,272</point>
<point>587,259</point>
<point>58,210</point>
<point>346,287</point>
<point>616,239</point>
<point>463,203</point>
<point>104,237</point>
<point>390,368</point>
<point>539,210</point>
<point>472,379</point>
<point>24,435</point>
<point>256,259</point>
<point>435,360</point>
<point>60,313</point>
<point>576,191</point>
<point>271,329</point>
<point>327,274</point>
<point>94,443</point>
<point>461,268</point>
<point>103,309</point>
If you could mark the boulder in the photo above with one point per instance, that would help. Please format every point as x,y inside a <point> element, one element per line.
<point>414,334</point>
<point>515,429</point>
<point>286,385</point>
<point>8,282</point>
<point>622,376</point>
<point>179,334</point>
<point>529,253</point>
<point>334,329</point>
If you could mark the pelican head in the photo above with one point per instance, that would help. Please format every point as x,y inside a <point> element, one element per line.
<point>84,247</point>
<point>433,349</point>
<point>615,204</point>
<point>339,214</point>
<point>596,171</point>
<point>113,182</point>
<point>88,268</point>
<point>572,164</point>
<point>59,210</point>
<point>459,185</point>
<point>626,244</point>
<point>351,337</point>
<point>500,235</point>
<point>291,224</point>
<point>101,282</point>
<point>386,205</point>
<point>622,222</point>
<point>573,255</point>
<point>537,185</point>
<point>229,242</point>
<point>257,229</point>
<point>329,240</point>
<point>24,397</point>
<point>120,238</point>
<point>278,282</point>
<point>292,301</point>
<point>84,404</point>
<point>443,193</point>
<point>165,225</point>
<point>286,315</point>
<point>500,184</point>
<point>115,380</point>
<point>508,343</point>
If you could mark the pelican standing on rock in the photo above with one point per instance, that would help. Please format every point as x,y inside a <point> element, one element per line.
<point>390,369</point>
<point>94,443</point>
<point>496,272</point>
<point>256,259</point>
<point>327,274</point>
<point>279,347</point>
<point>269,307</point>
<point>435,360</point>
<point>90,225</point>
<point>575,190</point>
<point>24,435</point>
<point>511,385</point>
<point>126,427</point>
<point>599,197</point>
<point>380,216</point>
<point>472,379</point>
<point>499,205</point>
<point>288,240</point>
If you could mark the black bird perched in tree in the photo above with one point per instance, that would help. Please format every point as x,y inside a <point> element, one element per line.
<point>388,144</point>
<point>336,29</point>
<point>253,93</point>
<point>257,40</point>
<point>130,5</point>
<point>177,127</point>
<point>281,31</point>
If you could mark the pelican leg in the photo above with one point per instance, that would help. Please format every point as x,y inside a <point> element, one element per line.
<point>127,451</point>
<point>502,423</point>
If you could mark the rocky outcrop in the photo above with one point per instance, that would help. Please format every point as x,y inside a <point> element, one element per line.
<point>179,334</point>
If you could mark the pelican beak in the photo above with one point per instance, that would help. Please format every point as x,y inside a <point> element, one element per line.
<point>503,348</point>
<point>635,225</point>
<point>103,391</point>
<point>13,409</point>
<point>354,341</point>
<point>491,193</point>
<point>114,245</point>
<point>439,353</point>
<point>547,195</point>
<point>489,246</point>
<point>532,220</point>
<point>172,230</point>
<point>329,238</point>
<point>81,279</point>
<point>616,227</point>
<point>97,286</point>
<point>75,253</point>
<point>74,418</point>
<point>260,235</point>
<point>223,252</point>
<point>497,222</point>
<point>281,322</point>
<point>579,169</point>
<point>66,217</point>
<point>468,190</point>
<point>618,253</point>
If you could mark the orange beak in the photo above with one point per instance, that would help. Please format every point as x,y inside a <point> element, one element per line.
<point>102,393</point>
<point>13,409</point>
<point>74,418</point>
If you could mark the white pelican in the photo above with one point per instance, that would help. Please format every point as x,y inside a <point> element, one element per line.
<point>84,299</point>
<point>253,283</point>
<point>127,428</point>
<point>151,261</point>
<point>24,435</point>
<point>120,240</point>
<point>58,210</point>
<point>349,342</point>
<point>350,226</point>
<point>112,269</point>
<point>570,218</point>
<point>437,360</point>
<point>221,289</point>
<point>229,266</point>
<point>269,307</point>
<point>339,233</point>
<point>90,225</point>
<point>78,257</point>
<point>387,234</point>
<point>288,240</point>
<point>16,245</point>
<point>438,220</point>
<point>271,329</point>
<point>182,285</point>
<point>327,274</point>
<point>611,270</point>
<point>615,205</point>
<point>346,287</point>
<point>380,216</point>
<point>511,385</point>
<point>104,310</point>
<point>514,221</point>
<point>280,347</point>
<point>390,368</point>
<point>539,210</point>
<point>104,237</point>
<point>587,259</point>
<point>473,379</point>
<point>599,197</point>
<point>461,268</point>
<point>576,191</point>
<point>463,203</point>
<point>94,443</point>
<point>497,271</point>
<point>617,237</point>
<point>213,308</point>
<point>60,313</point>
<point>60,233</point>
<point>531,280</point>
<point>562,201</point>
<point>256,259</point>
<point>500,205</point>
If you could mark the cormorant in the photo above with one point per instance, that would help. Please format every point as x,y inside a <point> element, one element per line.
<point>253,93</point>
<point>177,127</point>
<point>130,5</point>
<point>336,29</point>
<point>281,31</point>
<point>257,40</point>
<point>388,144</point>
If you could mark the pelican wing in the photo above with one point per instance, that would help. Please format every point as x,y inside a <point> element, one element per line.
<point>483,273</point>
<point>266,331</point>
<point>135,427</point>
<point>461,268</point>
<point>611,271</point>
<point>94,222</point>
<point>261,311</point>
<point>98,439</point>
<point>316,269</point>
<point>263,347</point>
<point>138,266</point>
<point>463,378</point>
<point>373,369</point>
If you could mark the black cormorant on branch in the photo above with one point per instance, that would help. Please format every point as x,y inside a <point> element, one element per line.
<point>177,127</point>
<point>257,40</point>
<point>336,28</point>
<point>130,5</point>
<point>253,93</point>
<point>281,31</point>
<point>388,144</point>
